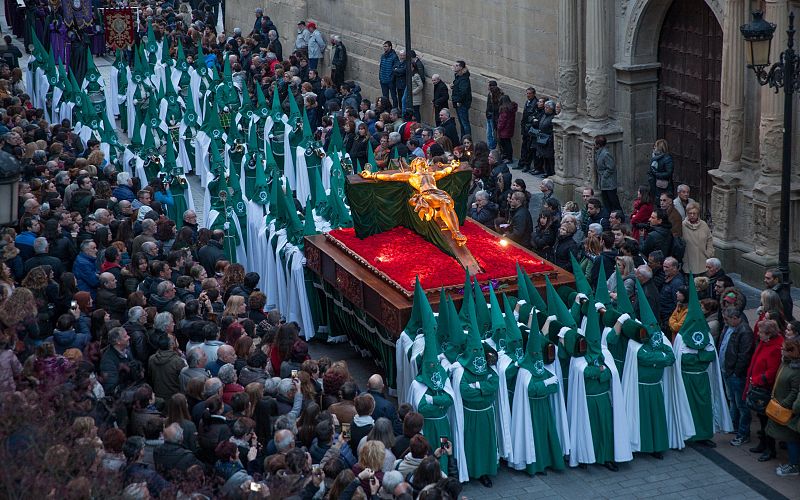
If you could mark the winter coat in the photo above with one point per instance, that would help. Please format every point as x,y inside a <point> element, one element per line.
<point>440,95</point>
<point>507,121</point>
<point>565,245</point>
<point>68,339</point>
<point>606,169</point>
<point>699,246</point>
<point>521,226</point>
<point>787,393</point>
<point>641,215</point>
<point>109,367</point>
<point>661,168</point>
<point>739,350</point>
<point>123,192</point>
<point>399,72</point>
<point>675,222</point>
<point>85,271</point>
<point>416,89</point>
<point>546,127</point>
<point>543,240</point>
<point>10,367</point>
<point>659,238</point>
<point>386,67</point>
<point>462,91</point>
<point>450,131</point>
<point>114,305</point>
<point>765,363</point>
<point>165,369</point>
<point>209,255</point>
<point>173,458</point>
<point>358,151</point>
<point>139,420</point>
<point>44,260</point>
<point>485,215</point>
<point>666,298</point>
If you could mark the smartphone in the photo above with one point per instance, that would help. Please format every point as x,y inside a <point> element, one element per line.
<point>314,467</point>
<point>346,431</point>
<point>294,373</point>
<point>254,486</point>
<point>73,304</point>
<point>443,442</point>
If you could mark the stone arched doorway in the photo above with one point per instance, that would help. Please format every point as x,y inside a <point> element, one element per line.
<point>688,95</point>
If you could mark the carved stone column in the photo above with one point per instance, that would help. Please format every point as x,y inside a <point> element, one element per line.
<point>597,88</point>
<point>728,176</point>
<point>568,56</point>
<point>766,192</point>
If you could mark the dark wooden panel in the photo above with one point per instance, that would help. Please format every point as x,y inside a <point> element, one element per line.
<point>690,53</point>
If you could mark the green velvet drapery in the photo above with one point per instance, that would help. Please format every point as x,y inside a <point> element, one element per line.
<point>378,206</point>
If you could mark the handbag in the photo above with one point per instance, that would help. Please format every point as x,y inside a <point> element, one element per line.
<point>757,398</point>
<point>542,139</point>
<point>777,413</point>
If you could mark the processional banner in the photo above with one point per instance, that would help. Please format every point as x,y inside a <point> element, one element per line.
<point>119,25</point>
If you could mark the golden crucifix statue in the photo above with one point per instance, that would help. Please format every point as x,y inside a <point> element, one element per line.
<point>429,202</point>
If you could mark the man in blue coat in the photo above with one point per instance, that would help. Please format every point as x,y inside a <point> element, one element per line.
<point>389,60</point>
<point>383,407</point>
<point>85,268</point>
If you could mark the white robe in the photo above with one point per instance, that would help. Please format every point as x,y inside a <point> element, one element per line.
<point>302,184</point>
<point>722,416</point>
<point>502,408</point>
<point>455,418</point>
<point>522,423</point>
<point>581,442</point>
<point>458,405</point>
<point>680,425</point>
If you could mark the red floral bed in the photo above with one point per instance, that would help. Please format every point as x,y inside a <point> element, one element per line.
<point>402,254</point>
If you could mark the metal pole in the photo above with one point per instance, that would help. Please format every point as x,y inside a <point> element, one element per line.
<point>790,66</point>
<point>409,98</point>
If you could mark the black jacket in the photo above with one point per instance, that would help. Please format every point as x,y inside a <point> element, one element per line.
<point>440,95</point>
<point>114,305</point>
<point>543,240</point>
<point>521,226</point>
<point>608,259</point>
<point>44,260</point>
<point>450,131</point>
<point>462,91</point>
<point>565,245</point>
<point>358,151</point>
<point>659,238</point>
<point>171,458</point>
<point>209,255</point>
<point>339,58</point>
<point>384,408</point>
<point>651,296</point>
<point>138,343</point>
<point>739,350</point>
<point>485,215</point>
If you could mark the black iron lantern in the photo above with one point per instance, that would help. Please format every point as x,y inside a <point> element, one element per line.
<point>10,171</point>
<point>758,37</point>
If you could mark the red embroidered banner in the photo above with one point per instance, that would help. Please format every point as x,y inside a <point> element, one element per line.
<point>119,24</point>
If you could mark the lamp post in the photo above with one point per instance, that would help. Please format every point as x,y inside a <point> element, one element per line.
<point>409,100</point>
<point>10,170</point>
<point>780,75</point>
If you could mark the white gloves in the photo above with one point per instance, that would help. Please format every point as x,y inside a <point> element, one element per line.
<point>622,319</point>
<point>580,297</point>
<point>429,399</point>
<point>550,381</point>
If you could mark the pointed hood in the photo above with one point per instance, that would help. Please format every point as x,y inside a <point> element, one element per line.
<point>211,124</point>
<point>533,293</point>
<point>513,342</point>
<point>431,372</point>
<point>497,323</point>
<point>336,137</point>
<point>623,301</point>
<point>149,145</point>
<point>473,359</point>
<point>694,331</point>
<point>592,335</point>
<point>170,166</point>
<point>415,321</point>
<point>263,109</point>
<point>309,228</point>
<point>261,187</point>
<point>581,283</point>
<point>533,360</point>
<point>246,110</point>
<point>200,61</point>
<point>180,62</point>
<point>443,320</point>
<point>467,303</point>
<point>152,45</point>
<point>319,198</point>
<point>453,346</point>
<point>371,161</point>
<point>308,135</point>
<point>92,74</point>
<point>272,165</point>
<point>556,307</point>
<point>294,111</point>
<point>482,315</point>
<point>227,75</point>
<point>601,291</point>
<point>190,114</point>
<point>276,112</point>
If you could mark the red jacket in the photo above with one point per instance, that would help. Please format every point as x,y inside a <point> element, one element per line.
<point>506,122</point>
<point>641,215</point>
<point>765,363</point>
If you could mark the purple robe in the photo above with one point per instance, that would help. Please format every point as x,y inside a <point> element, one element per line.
<point>58,42</point>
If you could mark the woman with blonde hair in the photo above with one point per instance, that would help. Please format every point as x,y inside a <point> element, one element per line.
<point>626,268</point>
<point>371,456</point>
<point>235,307</point>
<point>18,315</point>
<point>232,276</point>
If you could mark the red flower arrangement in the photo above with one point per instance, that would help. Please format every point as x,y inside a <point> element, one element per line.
<point>402,255</point>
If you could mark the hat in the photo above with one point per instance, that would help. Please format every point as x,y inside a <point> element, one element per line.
<point>311,25</point>
<point>492,83</point>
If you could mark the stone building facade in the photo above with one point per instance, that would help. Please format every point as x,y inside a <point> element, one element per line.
<point>632,70</point>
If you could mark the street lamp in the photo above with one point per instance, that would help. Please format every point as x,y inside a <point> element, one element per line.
<point>781,75</point>
<point>10,170</point>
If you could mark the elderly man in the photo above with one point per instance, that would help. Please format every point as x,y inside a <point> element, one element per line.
<point>196,361</point>
<point>85,268</point>
<point>682,201</point>
<point>172,459</point>
<point>103,217</point>
<point>225,355</point>
<point>135,326</point>
<point>645,277</point>
<point>164,298</point>
<point>41,258</point>
<point>148,232</point>
<point>673,281</point>
<point>448,124</point>
<point>289,399</point>
<point>538,199</point>
<point>520,223</point>
<point>714,272</point>
<point>124,209</point>
<point>338,61</point>
<point>108,299</point>
<point>116,354</point>
<point>441,96</point>
<point>165,368</point>
<point>124,189</point>
<point>772,281</point>
<point>383,407</point>
<point>275,43</point>
<point>675,219</point>
<point>483,209</point>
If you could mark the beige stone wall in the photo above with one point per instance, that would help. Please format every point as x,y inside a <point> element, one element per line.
<point>513,42</point>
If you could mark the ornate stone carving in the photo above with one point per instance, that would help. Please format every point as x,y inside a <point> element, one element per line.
<point>765,228</point>
<point>390,316</point>
<point>588,164</point>
<point>568,86</point>
<point>720,210</point>
<point>771,145</point>
<point>597,95</point>
<point>731,136</point>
